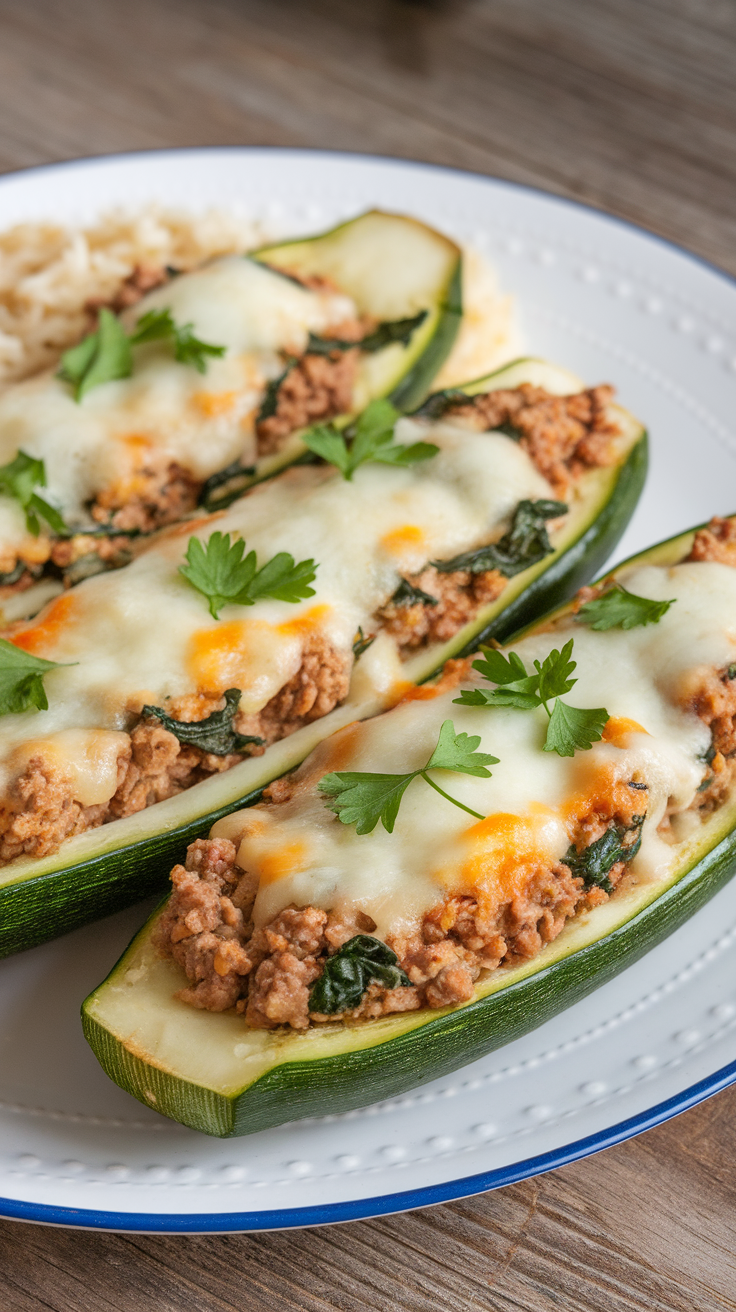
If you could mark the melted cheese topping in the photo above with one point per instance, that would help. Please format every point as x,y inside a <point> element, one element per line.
<point>534,798</point>
<point>143,633</point>
<point>166,411</point>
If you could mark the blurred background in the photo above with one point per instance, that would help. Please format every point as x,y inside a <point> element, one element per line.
<point>627,104</point>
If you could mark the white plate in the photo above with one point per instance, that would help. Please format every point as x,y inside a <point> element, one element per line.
<point>614,304</point>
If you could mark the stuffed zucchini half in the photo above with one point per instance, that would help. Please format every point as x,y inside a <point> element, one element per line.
<point>182,683</point>
<point>203,386</point>
<point>406,902</point>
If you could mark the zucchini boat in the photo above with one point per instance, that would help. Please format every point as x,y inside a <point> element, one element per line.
<point>203,386</point>
<point>382,953</point>
<point>161,719</point>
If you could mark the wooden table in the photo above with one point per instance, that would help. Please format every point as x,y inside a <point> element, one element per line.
<point>629,105</point>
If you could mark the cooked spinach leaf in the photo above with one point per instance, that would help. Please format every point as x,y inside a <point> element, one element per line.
<point>392,330</point>
<point>270,402</point>
<point>224,487</point>
<point>438,403</point>
<point>407,595</point>
<point>595,862</point>
<point>350,970</point>
<point>214,734</point>
<point>526,543</point>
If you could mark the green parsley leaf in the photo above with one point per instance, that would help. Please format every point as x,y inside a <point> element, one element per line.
<point>362,798</point>
<point>159,325</point>
<point>526,543</point>
<point>215,733</point>
<point>101,357</point>
<point>554,673</point>
<point>18,479</point>
<point>369,439</point>
<point>349,971</point>
<point>220,573</point>
<point>21,680</point>
<point>458,751</point>
<point>621,609</point>
<point>570,728</point>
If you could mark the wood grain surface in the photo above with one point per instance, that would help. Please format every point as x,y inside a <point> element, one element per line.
<point>629,105</point>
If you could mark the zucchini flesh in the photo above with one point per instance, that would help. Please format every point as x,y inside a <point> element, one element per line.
<point>105,869</point>
<point>392,267</point>
<point>212,1073</point>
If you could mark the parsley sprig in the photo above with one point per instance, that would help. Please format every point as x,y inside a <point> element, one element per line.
<point>370,438</point>
<point>21,680</point>
<point>570,728</point>
<point>620,609</point>
<point>158,325</point>
<point>220,573</point>
<point>362,798</point>
<point>19,479</point>
<point>107,354</point>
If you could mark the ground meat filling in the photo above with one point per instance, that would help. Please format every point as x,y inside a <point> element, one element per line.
<point>563,435</point>
<point>266,973</point>
<point>39,812</point>
<point>315,387</point>
<point>162,496</point>
<point>459,597</point>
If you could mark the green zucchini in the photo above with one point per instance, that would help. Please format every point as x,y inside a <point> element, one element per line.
<point>104,869</point>
<point>393,267</point>
<point>213,1074</point>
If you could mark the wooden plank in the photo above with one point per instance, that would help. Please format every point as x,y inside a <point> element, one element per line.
<point>626,104</point>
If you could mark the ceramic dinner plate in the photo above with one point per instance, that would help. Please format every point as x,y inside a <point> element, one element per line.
<point>616,305</point>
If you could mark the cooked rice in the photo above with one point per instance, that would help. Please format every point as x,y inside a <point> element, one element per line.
<point>49,272</point>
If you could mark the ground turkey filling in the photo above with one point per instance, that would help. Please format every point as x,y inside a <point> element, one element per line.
<point>266,973</point>
<point>563,436</point>
<point>39,811</point>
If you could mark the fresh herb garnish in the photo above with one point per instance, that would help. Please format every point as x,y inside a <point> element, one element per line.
<point>370,438</point>
<point>362,799</point>
<point>620,609</point>
<point>100,357</point>
<point>18,479</point>
<point>350,970</point>
<point>106,354</point>
<point>361,643</point>
<point>21,680</point>
<point>526,543</point>
<point>158,325</point>
<point>219,571</point>
<point>214,734</point>
<point>384,334</point>
<point>594,863</point>
<point>408,595</point>
<point>570,728</point>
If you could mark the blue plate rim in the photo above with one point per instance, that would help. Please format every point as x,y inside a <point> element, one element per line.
<point>380,1205</point>
<point>465,1186</point>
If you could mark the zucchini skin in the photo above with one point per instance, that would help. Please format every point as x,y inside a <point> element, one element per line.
<point>33,910</point>
<point>414,387</point>
<point>333,1085</point>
